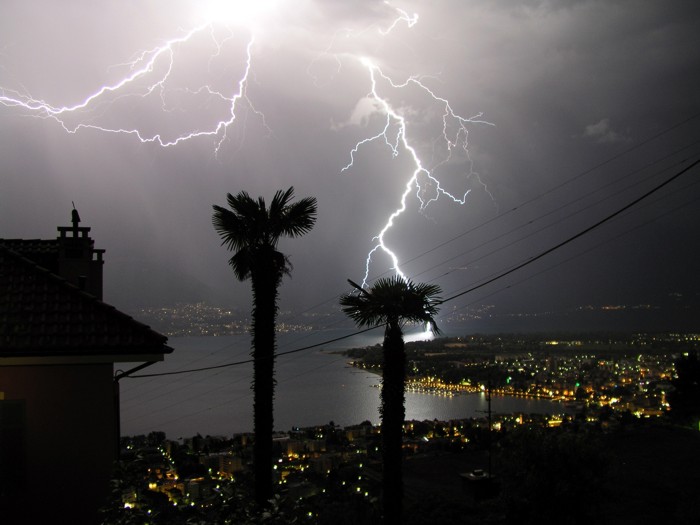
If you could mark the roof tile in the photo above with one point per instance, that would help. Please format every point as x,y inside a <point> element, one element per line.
<point>42,314</point>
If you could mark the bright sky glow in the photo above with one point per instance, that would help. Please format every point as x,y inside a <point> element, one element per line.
<point>425,335</point>
<point>251,14</point>
<point>420,179</point>
<point>146,113</point>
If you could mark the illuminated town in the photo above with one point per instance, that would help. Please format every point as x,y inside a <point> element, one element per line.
<point>608,387</point>
<point>595,373</point>
<point>202,319</point>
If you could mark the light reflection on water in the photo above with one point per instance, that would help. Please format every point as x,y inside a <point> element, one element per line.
<point>313,387</point>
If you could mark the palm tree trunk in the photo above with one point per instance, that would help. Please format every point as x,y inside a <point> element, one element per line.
<point>392,415</point>
<point>263,328</point>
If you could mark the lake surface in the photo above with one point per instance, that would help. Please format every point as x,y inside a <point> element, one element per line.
<point>314,387</point>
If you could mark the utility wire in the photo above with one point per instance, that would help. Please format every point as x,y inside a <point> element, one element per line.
<point>251,360</point>
<point>469,290</point>
<point>225,403</point>
<point>544,194</point>
<point>533,221</point>
<point>245,396</point>
<point>565,183</point>
<point>588,250</point>
<point>505,273</point>
<point>576,236</point>
<point>534,199</point>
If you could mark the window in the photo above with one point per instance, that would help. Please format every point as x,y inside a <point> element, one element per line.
<point>12,447</point>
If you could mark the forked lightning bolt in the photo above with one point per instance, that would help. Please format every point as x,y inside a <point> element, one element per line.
<point>143,81</point>
<point>394,134</point>
<point>149,77</point>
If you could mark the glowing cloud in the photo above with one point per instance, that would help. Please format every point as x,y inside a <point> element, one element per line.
<point>151,80</point>
<point>423,181</point>
<point>249,14</point>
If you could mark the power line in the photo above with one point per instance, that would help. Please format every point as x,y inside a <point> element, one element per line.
<point>577,235</point>
<point>225,403</point>
<point>528,223</point>
<point>551,190</point>
<point>499,276</point>
<point>590,249</point>
<point>471,289</point>
<point>587,171</point>
<point>503,274</point>
<point>140,392</point>
<point>251,360</point>
<point>206,393</point>
<point>567,182</point>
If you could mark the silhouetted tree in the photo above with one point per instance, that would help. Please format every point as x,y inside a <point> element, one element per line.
<point>581,394</point>
<point>392,302</point>
<point>251,230</point>
<point>552,477</point>
<point>156,438</point>
<point>685,399</point>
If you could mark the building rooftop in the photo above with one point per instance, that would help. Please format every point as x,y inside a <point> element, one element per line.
<point>44,315</point>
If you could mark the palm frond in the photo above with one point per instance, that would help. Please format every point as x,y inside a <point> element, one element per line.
<point>241,263</point>
<point>299,217</point>
<point>280,202</point>
<point>392,300</point>
<point>253,229</point>
<point>229,227</point>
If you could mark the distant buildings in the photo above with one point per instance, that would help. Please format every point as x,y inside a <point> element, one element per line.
<point>202,319</point>
<point>58,398</point>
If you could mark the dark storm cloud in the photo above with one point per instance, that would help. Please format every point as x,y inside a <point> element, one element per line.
<point>567,85</point>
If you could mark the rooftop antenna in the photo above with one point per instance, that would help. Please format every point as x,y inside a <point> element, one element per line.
<point>75,217</point>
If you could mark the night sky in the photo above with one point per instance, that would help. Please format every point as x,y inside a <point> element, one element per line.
<point>570,110</point>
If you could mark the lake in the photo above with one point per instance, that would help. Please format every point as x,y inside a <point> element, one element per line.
<point>314,386</point>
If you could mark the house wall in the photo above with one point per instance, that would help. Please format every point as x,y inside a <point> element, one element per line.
<point>69,437</point>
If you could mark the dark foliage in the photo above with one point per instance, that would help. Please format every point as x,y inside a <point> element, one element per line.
<point>685,399</point>
<point>552,476</point>
<point>252,230</point>
<point>392,302</point>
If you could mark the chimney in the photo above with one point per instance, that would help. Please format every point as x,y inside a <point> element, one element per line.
<point>78,260</point>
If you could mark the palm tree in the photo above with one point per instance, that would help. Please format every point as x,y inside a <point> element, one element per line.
<point>252,231</point>
<point>392,302</point>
